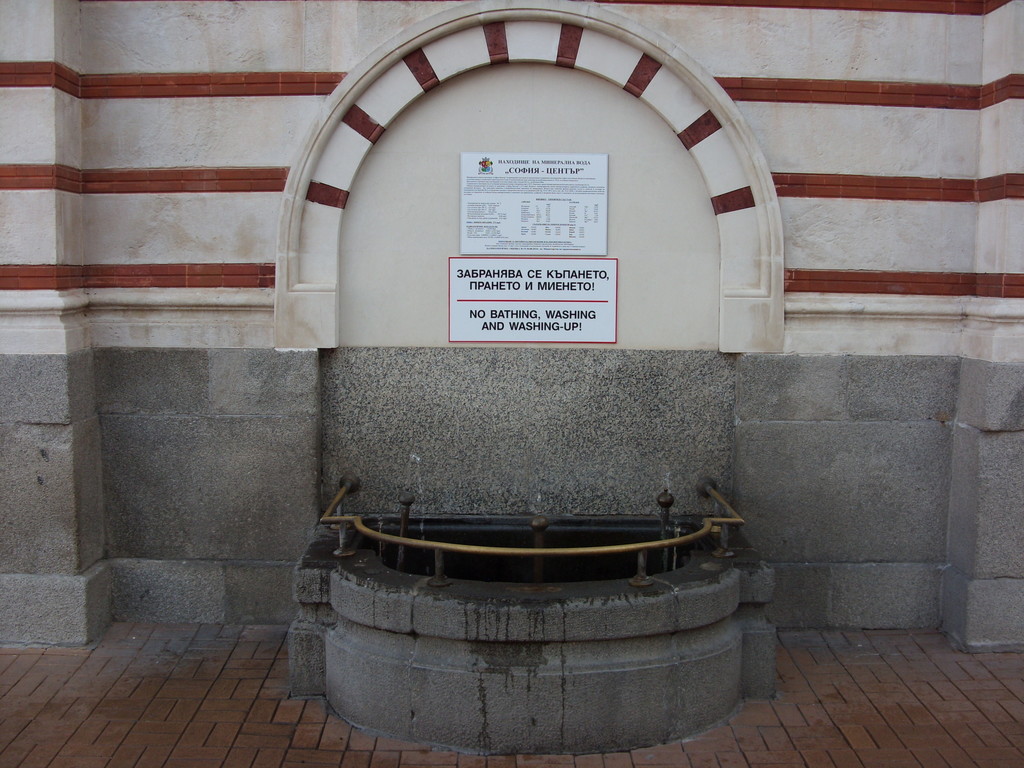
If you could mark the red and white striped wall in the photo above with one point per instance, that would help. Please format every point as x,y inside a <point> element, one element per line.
<point>890,131</point>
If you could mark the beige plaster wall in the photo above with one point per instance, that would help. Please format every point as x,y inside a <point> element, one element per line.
<point>401,224</point>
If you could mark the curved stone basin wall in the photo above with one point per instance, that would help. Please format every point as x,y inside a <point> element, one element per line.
<point>496,668</point>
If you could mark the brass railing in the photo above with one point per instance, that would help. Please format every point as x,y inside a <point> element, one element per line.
<point>712,525</point>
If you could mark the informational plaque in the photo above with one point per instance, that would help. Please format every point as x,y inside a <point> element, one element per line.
<point>530,299</point>
<point>514,203</point>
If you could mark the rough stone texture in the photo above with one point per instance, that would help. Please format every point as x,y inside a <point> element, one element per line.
<point>88,481</point>
<point>844,492</point>
<point>201,591</point>
<point>46,389</point>
<point>258,593</point>
<point>856,595</point>
<point>51,506</point>
<point>842,473</point>
<point>986,499</point>
<point>757,674</point>
<point>983,589</point>
<point>37,532</point>
<point>228,487</point>
<point>50,494</point>
<point>514,431</point>
<point>177,591</point>
<point>1000,499</point>
<point>152,380</point>
<point>791,387</point>
<point>578,666</point>
<point>263,381</point>
<point>535,696</point>
<point>210,467</point>
<point>992,395</point>
<point>306,666</point>
<point>884,595</point>
<point>802,595</point>
<point>902,388</point>
<point>984,615</point>
<point>55,609</point>
<point>846,387</point>
<point>963,499</point>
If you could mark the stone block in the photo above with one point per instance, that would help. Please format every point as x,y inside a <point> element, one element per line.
<point>987,493</point>
<point>801,595</point>
<point>884,595</point>
<point>38,525</point>
<point>992,395</point>
<point>46,389</point>
<point>856,595</point>
<point>87,455</point>
<point>167,590</point>
<point>963,498</point>
<point>54,609</point>
<point>984,615</point>
<point>264,382</point>
<point>902,388</point>
<point>306,667</point>
<point>226,487</point>
<point>999,486</point>
<point>517,431</point>
<point>757,582</point>
<point>791,388</point>
<point>171,381</point>
<point>757,674</point>
<point>258,593</point>
<point>844,492</point>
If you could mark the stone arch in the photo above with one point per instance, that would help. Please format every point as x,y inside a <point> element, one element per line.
<point>563,34</point>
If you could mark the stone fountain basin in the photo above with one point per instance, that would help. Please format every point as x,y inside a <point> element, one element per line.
<point>581,666</point>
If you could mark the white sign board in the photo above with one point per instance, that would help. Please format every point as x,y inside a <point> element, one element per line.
<point>568,300</point>
<point>514,203</point>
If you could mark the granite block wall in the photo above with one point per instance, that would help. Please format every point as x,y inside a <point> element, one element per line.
<point>210,467</point>
<point>842,469</point>
<point>984,584</point>
<point>52,583</point>
<point>497,431</point>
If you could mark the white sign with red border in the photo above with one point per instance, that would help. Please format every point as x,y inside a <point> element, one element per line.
<point>532,299</point>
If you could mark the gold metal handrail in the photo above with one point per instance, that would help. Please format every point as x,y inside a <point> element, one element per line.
<point>712,525</point>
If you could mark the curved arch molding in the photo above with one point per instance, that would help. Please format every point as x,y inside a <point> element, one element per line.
<point>564,34</point>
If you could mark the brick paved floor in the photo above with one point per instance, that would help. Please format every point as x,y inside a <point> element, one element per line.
<point>211,695</point>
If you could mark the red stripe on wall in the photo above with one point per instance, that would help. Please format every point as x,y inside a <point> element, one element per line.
<point>737,200</point>
<point>421,69</point>
<point>152,86</point>
<point>39,74</point>
<point>262,275</point>
<point>326,194</point>
<point>363,124</point>
<point>643,73</point>
<point>699,129</point>
<point>568,45</point>
<point>955,7</point>
<point>65,277</point>
<point>142,180</point>
<point>1008,186</point>
<point>947,7</point>
<point>150,180</point>
<point>1003,187</point>
<point>873,93</point>
<point>497,43</point>
<point>997,285</point>
<point>44,74</point>
<point>61,177</point>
